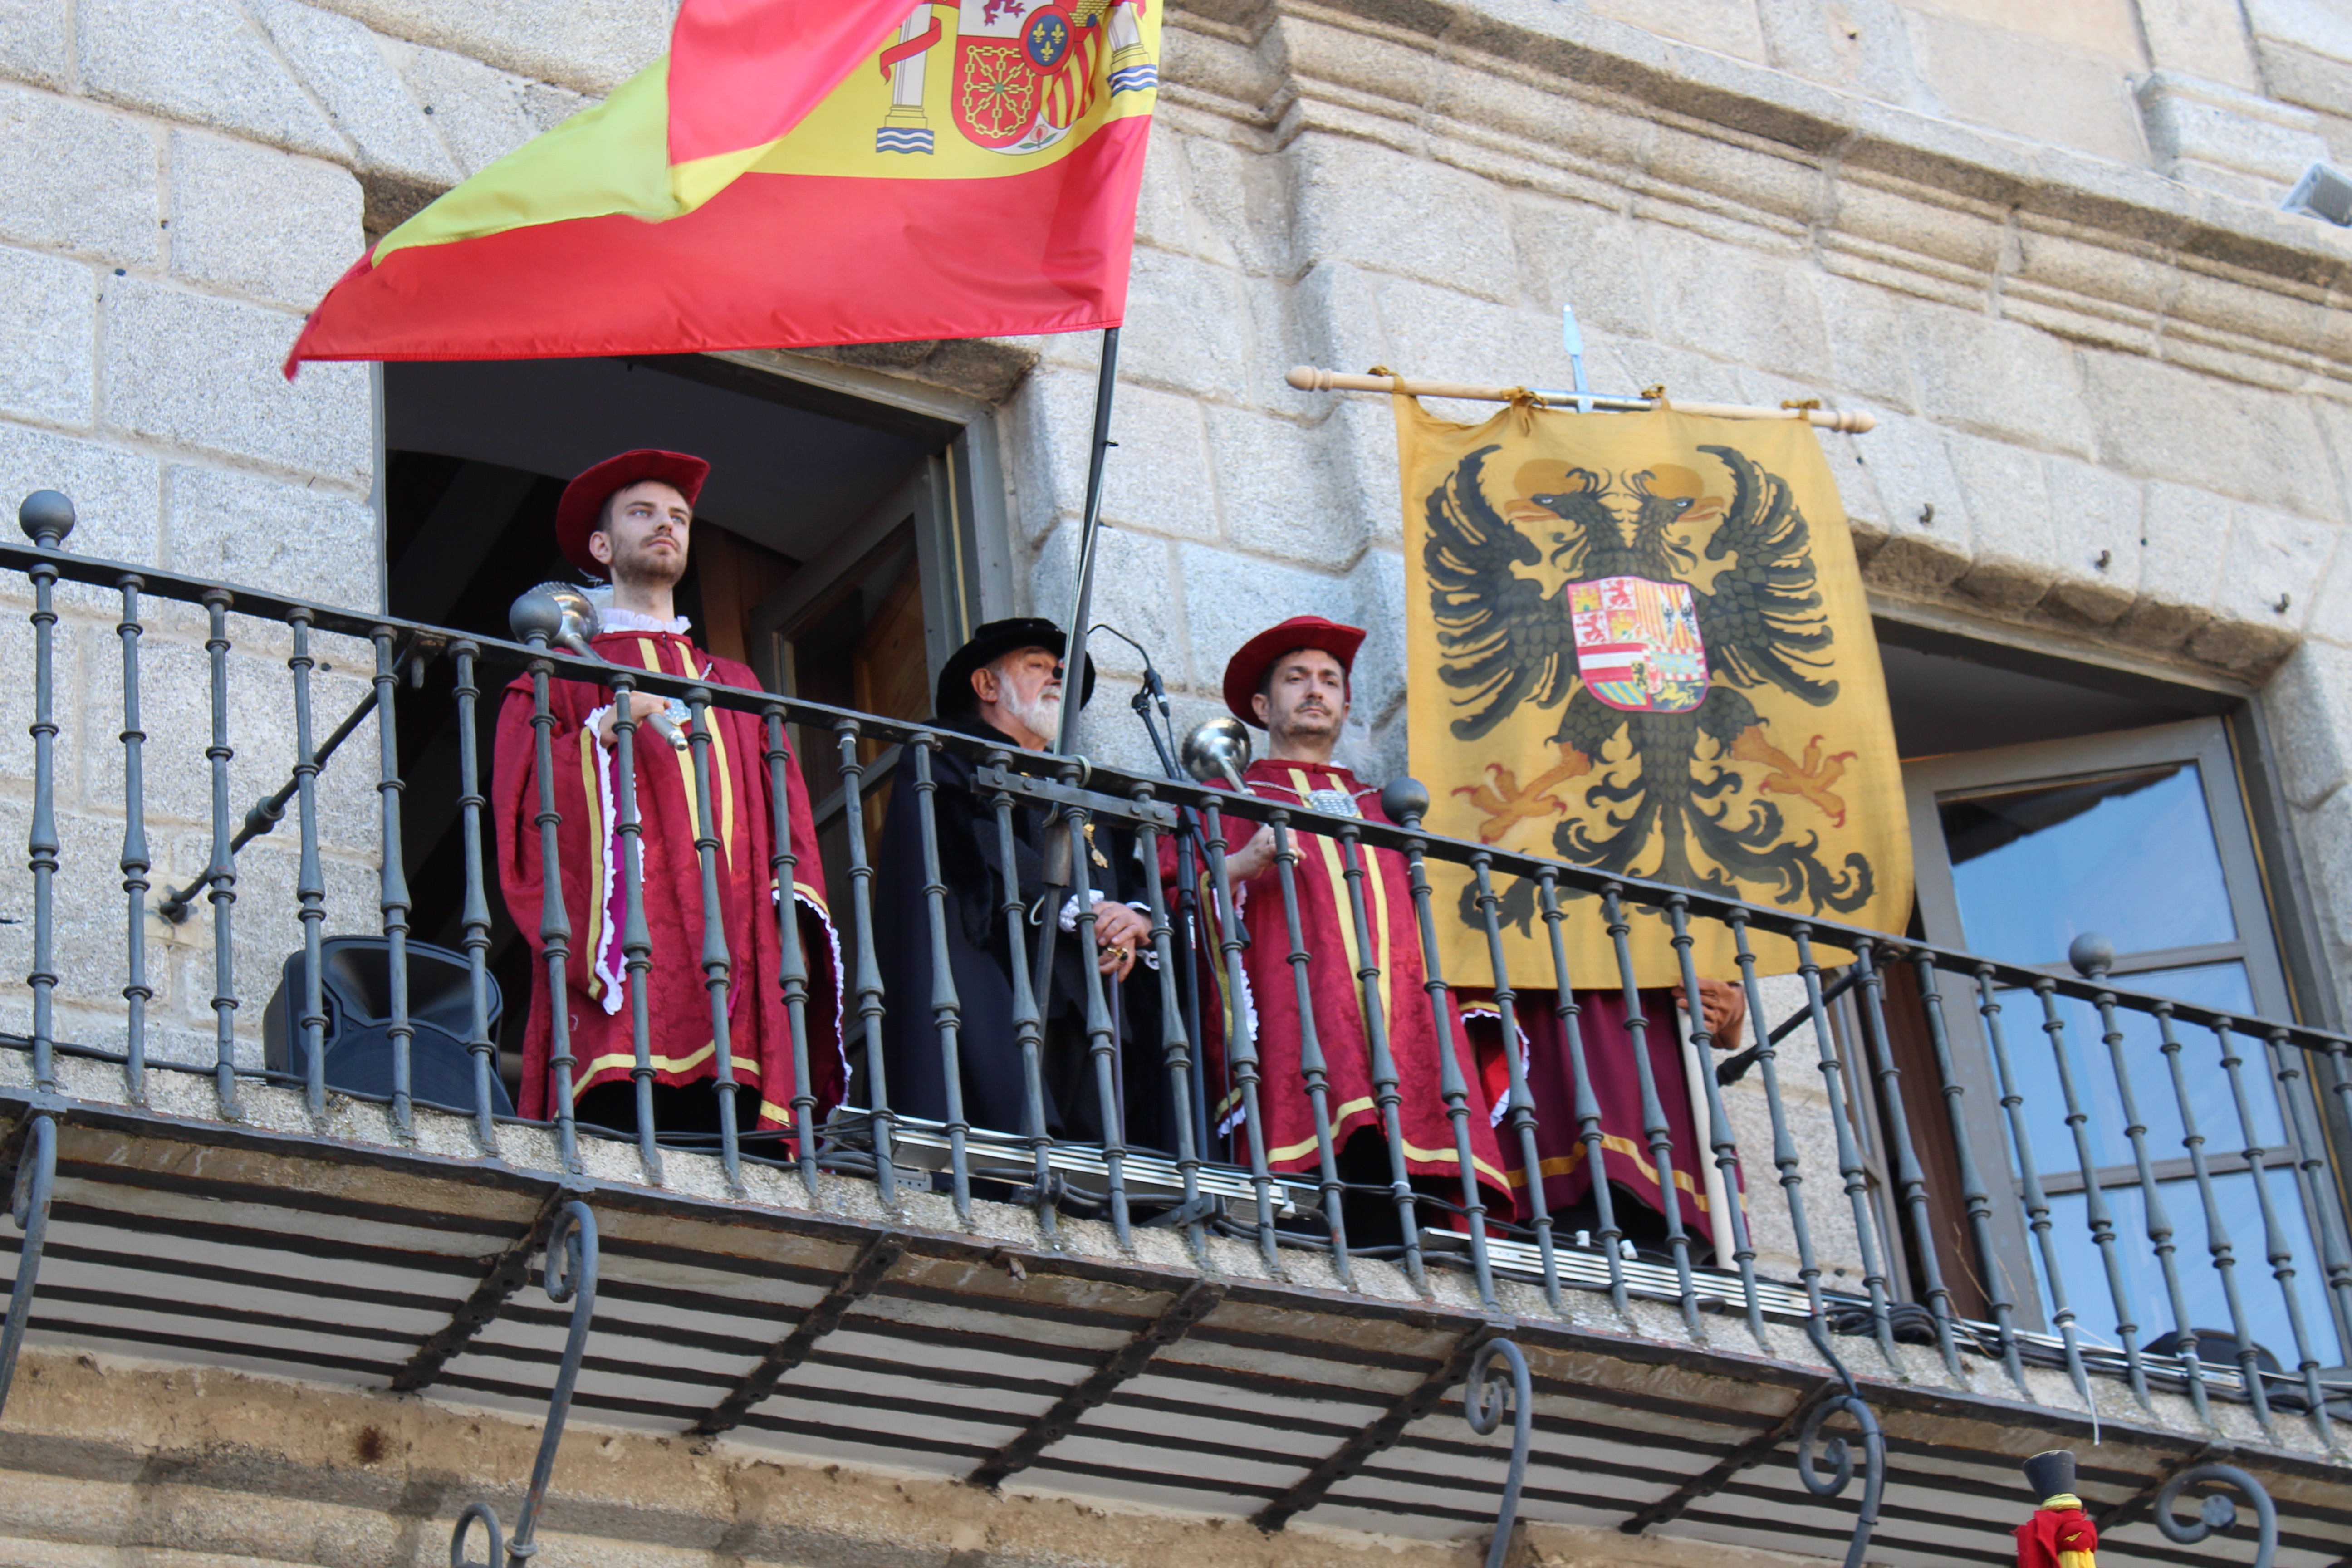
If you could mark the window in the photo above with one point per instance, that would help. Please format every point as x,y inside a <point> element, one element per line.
<point>850,535</point>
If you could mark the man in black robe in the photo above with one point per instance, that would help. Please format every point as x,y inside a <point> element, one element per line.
<point>1005,686</point>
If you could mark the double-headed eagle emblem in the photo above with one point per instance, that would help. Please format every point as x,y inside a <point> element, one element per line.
<point>1645,607</point>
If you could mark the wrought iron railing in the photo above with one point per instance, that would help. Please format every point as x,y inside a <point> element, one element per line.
<point>1901,1218</point>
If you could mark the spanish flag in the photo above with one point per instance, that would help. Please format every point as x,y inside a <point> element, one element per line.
<point>793,173</point>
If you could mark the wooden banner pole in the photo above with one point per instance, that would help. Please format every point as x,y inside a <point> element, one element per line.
<point>1309,379</point>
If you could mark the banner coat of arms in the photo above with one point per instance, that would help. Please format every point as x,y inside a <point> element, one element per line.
<point>1639,642</point>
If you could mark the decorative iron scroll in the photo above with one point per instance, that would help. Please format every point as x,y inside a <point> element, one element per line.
<point>570,1275</point>
<point>2216,1511</point>
<point>1485,1396</point>
<point>29,1205</point>
<point>1839,1453</point>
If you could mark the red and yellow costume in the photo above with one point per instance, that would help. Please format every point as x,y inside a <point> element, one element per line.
<point>2059,1535</point>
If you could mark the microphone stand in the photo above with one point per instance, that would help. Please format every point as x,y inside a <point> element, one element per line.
<point>1187,901</point>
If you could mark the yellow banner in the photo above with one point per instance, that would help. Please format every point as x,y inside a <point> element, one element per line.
<point>1639,643</point>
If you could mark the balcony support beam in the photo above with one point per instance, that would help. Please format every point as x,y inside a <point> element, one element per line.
<point>874,1260</point>
<point>507,1274</point>
<point>1720,1474</point>
<point>1380,1435</point>
<point>1194,1302</point>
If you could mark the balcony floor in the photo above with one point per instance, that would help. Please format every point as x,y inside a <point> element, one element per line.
<point>910,1344</point>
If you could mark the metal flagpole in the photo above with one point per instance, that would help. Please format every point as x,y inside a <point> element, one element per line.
<point>1057,855</point>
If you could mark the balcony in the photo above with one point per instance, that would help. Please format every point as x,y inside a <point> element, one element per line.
<point>1959,1210</point>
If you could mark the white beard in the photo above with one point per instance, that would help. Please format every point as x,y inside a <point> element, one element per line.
<point>1041,716</point>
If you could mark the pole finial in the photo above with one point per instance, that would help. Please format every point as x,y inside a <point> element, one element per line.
<point>47,517</point>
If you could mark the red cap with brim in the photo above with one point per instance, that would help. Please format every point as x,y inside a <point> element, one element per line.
<point>576,515</point>
<point>1249,665</point>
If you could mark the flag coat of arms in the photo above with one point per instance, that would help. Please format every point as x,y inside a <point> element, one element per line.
<point>793,173</point>
<point>1639,642</point>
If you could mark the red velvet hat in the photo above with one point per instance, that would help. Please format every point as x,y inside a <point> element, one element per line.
<point>1249,665</point>
<point>584,498</point>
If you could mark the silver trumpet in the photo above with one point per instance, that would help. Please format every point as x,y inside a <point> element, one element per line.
<point>1217,748</point>
<point>571,619</point>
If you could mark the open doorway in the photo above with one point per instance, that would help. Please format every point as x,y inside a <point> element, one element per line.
<point>836,551</point>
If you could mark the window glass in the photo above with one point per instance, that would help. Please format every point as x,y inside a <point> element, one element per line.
<point>2084,1270</point>
<point>2130,857</point>
<point>2032,1060</point>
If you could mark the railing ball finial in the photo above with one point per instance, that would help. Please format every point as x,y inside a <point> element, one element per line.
<point>1406,800</point>
<point>2090,954</point>
<point>535,617</point>
<point>47,517</point>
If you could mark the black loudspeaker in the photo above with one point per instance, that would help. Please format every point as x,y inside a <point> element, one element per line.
<point>355,993</point>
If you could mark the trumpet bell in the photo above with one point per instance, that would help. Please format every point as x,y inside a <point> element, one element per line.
<point>1216,749</point>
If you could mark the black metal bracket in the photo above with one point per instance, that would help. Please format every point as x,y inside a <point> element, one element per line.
<point>1484,1398</point>
<point>1839,1453</point>
<point>29,1205</point>
<point>1196,1301</point>
<point>568,1275</point>
<point>855,1285</point>
<point>2216,1512</point>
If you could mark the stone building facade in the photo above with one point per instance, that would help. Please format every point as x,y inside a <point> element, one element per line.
<point>2041,244</point>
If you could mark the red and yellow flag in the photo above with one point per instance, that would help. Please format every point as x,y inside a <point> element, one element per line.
<point>793,173</point>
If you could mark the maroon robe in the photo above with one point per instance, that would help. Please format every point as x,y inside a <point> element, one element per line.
<point>1625,1151</point>
<point>1270,997</point>
<point>680,1037</point>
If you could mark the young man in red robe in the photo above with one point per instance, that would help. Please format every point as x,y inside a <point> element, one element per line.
<point>628,519</point>
<point>1293,681</point>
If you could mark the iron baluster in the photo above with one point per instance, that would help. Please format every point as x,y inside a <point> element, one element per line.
<point>1102,1040</point>
<point>2312,1174</point>
<point>2218,1514</point>
<point>2037,1205</point>
<point>2323,1211</point>
<point>1653,1113</point>
<point>535,620</point>
<point>2281,1255</point>
<point>2094,1200</point>
<point>636,936</point>
<point>1406,801</point>
<point>2217,1233</point>
<point>1028,1029</point>
<point>1588,1104</point>
<point>568,1274</point>
<point>947,1008</point>
<point>1519,1105</point>
<point>1725,1147</point>
<point>1313,1070</point>
<point>1849,1149</point>
<point>474,918</point>
<point>310,882</point>
<point>47,517</point>
<point>394,878</point>
<point>867,974</point>
<point>1839,1453</point>
<point>1766,1052</point>
<point>137,860</point>
<point>221,875</point>
<point>783,866</point>
<point>717,966</point>
<point>1372,989</point>
<point>1489,1390</point>
<point>1241,1047</point>
<point>2090,956</point>
<point>1175,1047</point>
<point>1973,1196</point>
<point>1911,1183</point>
<point>29,1205</point>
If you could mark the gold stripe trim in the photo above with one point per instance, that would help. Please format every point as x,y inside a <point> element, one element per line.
<point>592,798</point>
<point>744,1066</point>
<point>1563,1164</point>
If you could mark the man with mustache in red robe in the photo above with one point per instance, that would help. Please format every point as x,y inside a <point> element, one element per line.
<point>628,519</point>
<point>1293,681</point>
